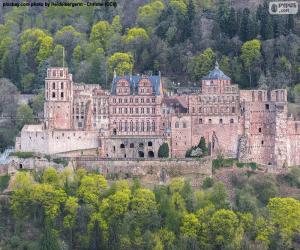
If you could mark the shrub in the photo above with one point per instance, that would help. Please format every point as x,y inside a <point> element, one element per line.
<point>207,183</point>
<point>202,145</point>
<point>23,154</point>
<point>293,177</point>
<point>4,180</point>
<point>62,161</point>
<point>163,151</point>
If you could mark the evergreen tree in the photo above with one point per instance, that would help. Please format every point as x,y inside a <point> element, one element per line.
<point>266,26</point>
<point>245,25</point>
<point>163,151</point>
<point>232,23</point>
<point>223,15</point>
<point>290,23</point>
<point>202,146</point>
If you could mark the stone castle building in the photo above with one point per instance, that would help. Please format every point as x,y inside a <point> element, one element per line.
<point>136,117</point>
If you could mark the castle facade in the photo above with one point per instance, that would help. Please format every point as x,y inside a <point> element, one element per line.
<point>136,117</point>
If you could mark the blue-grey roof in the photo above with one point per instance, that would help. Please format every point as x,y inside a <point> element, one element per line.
<point>216,73</point>
<point>134,81</point>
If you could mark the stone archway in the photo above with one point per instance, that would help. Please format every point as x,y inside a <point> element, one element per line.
<point>141,154</point>
<point>150,154</point>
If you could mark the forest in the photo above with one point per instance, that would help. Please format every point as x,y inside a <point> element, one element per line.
<point>180,38</point>
<point>69,209</point>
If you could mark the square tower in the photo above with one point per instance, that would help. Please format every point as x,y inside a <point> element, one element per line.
<point>58,99</point>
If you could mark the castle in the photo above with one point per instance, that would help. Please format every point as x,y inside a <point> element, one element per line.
<point>136,117</point>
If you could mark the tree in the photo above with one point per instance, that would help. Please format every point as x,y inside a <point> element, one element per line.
<point>98,68</point>
<point>8,98</point>
<point>27,82</point>
<point>232,23</point>
<point>266,25</point>
<point>250,55</point>
<point>245,29</point>
<point>122,63</point>
<point>222,227</point>
<point>285,217</point>
<point>24,116</point>
<point>136,35</point>
<point>69,38</point>
<point>100,34</point>
<point>202,145</point>
<point>37,103</point>
<point>148,15</point>
<point>71,210</point>
<point>163,151</point>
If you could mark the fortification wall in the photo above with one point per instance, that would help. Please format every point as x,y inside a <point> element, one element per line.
<point>151,172</point>
<point>54,142</point>
<point>293,143</point>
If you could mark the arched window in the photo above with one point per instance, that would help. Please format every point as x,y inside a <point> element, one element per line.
<point>150,143</point>
<point>148,126</point>
<point>184,125</point>
<point>122,145</point>
<point>120,126</point>
<point>231,121</point>
<point>53,85</point>
<point>131,145</point>
<point>200,121</point>
<point>137,126</point>
<point>221,121</point>
<point>176,124</point>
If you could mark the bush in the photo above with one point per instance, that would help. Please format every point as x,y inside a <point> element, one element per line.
<point>15,241</point>
<point>4,180</point>
<point>207,183</point>
<point>202,145</point>
<point>293,177</point>
<point>163,151</point>
<point>23,155</point>
<point>62,161</point>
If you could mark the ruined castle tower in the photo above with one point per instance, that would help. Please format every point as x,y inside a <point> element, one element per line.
<point>58,99</point>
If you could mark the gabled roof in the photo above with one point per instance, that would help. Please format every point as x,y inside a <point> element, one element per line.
<point>216,73</point>
<point>134,81</point>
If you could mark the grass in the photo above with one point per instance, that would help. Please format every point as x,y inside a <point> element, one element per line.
<point>4,181</point>
<point>221,162</point>
<point>23,155</point>
<point>252,165</point>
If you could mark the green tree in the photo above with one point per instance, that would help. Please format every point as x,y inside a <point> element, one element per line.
<point>201,64</point>
<point>285,217</point>
<point>222,227</point>
<point>163,151</point>
<point>27,82</point>
<point>202,145</point>
<point>250,55</point>
<point>148,15</point>
<point>122,63</point>
<point>100,34</point>
<point>24,116</point>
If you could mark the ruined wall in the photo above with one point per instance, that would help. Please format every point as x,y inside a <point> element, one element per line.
<point>154,171</point>
<point>293,143</point>
<point>181,136</point>
<point>53,142</point>
<point>131,147</point>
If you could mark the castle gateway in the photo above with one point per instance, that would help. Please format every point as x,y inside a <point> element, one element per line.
<point>136,117</point>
